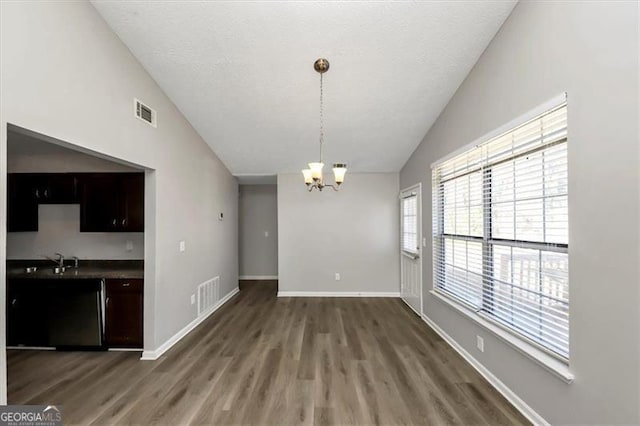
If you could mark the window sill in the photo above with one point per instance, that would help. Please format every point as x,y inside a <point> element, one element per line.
<point>550,363</point>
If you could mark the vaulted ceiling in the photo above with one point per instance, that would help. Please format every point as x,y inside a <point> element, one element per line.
<point>242,73</point>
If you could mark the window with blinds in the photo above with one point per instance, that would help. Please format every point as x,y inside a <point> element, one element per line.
<point>410,224</point>
<point>500,230</point>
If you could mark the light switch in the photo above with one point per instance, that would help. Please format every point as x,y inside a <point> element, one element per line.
<point>193,299</point>
<point>266,234</point>
<point>183,246</point>
<point>424,241</point>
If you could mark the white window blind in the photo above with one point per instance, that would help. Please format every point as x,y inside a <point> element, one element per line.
<point>500,230</point>
<point>410,224</point>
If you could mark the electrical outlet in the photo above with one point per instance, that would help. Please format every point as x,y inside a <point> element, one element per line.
<point>193,299</point>
<point>129,246</point>
<point>266,234</point>
<point>424,241</point>
<point>183,246</point>
<point>480,343</point>
<point>337,276</point>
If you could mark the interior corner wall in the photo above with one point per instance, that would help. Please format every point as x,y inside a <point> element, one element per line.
<point>589,50</point>
<point>258,231</point>
<point>58,58</point>
<point>353,232</point>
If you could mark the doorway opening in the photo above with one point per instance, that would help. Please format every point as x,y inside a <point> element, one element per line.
<point>258,231</point>
<point>79,274</point>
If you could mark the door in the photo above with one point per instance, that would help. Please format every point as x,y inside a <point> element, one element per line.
<point>22,205</point>
<point>124,304</point>
<point>132,202</point>
<point>410,247</point>
<point>112,202</point>
<point>99,209</point>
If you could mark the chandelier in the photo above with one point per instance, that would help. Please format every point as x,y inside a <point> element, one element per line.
<point>313,175</point>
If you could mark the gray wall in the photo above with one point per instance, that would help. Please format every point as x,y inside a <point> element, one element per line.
<point>257,215</point>
<point>353,232</point>
<point>65,74</point>
<point>589,50</point>
<point>59,225</point>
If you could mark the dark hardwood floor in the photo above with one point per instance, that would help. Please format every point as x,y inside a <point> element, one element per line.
<point>264,360</point>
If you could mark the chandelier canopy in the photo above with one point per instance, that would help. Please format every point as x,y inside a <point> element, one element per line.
<point>313,177</point>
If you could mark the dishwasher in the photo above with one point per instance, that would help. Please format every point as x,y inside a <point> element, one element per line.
<point>76,314</point>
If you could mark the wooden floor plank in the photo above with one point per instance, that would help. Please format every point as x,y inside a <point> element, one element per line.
<point>264,360</point>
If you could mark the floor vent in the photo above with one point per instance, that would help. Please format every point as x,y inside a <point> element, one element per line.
<point>208,295</point>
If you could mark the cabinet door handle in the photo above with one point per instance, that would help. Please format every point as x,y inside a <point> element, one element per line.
<point>114,222</point>
<point>46,193</point>
<point>126,284</point>
<point>124,222</point>
<point>37,193</point>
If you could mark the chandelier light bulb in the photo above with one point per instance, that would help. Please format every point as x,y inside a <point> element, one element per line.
<point>316,171</point>
<point>308,179</point>
<point>339,170</point>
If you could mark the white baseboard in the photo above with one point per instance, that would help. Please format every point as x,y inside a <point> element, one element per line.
<point>338,294</point>
<point>153,355</point>
<point>258,277</point>
<point>514,399</point>
<point>411,307</point>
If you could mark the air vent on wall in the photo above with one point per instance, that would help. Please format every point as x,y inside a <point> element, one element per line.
<point>145,113</point>
<point>208,295</point>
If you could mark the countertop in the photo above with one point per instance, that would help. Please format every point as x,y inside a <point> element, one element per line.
<point>88,269</point>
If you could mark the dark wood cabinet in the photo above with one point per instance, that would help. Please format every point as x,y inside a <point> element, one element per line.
<point>22,205</point>
<point>109,202</point>
<point>26,313</point>
<point>55,188</point>
<point>132,201</point>
<point>124,310</point>
<point>112,202</point>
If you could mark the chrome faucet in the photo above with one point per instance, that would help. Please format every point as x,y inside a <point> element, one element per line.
<point>76,262</point>
<point>60,259</point>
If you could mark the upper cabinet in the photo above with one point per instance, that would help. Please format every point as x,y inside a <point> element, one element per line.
<point>56,188</point>
<point>112,202</point>
<point>109,202</point>
<point>22,205</point>
<point>27,190</point>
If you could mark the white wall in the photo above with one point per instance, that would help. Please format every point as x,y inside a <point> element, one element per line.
<point>27,154</point>
<point>59,232</point>
<point>589,50</point>
<point>354,232</point>
<point>65,74</point>
<point>257,215</point>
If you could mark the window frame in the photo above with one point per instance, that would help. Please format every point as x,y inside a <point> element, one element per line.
<point>416,251</point>
<point>487,239</point>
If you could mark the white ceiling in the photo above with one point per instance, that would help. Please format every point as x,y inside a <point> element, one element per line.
<point>242,73</point>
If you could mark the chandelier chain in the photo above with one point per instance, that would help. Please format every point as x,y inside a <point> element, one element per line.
<point>321,116</point>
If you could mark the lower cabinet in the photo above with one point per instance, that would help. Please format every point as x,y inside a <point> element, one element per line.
<point>123,316</point>
<point>27,313</point>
